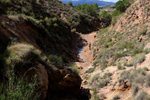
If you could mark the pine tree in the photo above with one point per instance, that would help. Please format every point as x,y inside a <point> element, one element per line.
<point>70,4</point>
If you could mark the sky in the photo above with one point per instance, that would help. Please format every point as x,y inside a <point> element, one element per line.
<point>100,0</point>
<point>111,0</point>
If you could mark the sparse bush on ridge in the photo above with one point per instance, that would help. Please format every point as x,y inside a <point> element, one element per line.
<point>135,90</point>
<point>142,96</point>
<point>142,32</point>
<point>120,67</point>
<point>117,97</point>
<point>74,68</point>
<point>134,76</point>
<point>138,58</point>
<point>148,80</point>
<point>56,60</point>
<point>101,81</point>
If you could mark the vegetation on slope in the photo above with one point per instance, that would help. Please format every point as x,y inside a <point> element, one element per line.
<point>49,26</point>
<point>123,49</point>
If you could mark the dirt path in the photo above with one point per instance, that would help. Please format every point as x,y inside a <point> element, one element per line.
<point>86,54</point>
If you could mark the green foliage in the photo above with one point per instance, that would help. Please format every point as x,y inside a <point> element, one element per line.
<point>142,96</point>
<point>70,4</point>
<point>17,89</point>
<point>116,97</point>
<point>120,6</point>
<point>142,32</point>
<point>101,81</point>
<point>91,10</point>
<point>116,13</point>
<point>56,60</point>
<point>134,76</point>
<point>105,14</point>
<point>74,68</point>
<point>102,97</point>
<point>138,58</point>
<point>137,51</point>
<point>135,90</point>
<point>103,31</point>
<point>5,1</point>
<point>127,45</point>
<point>148,80</point>
<point>102,62</point>
<point>90,70</point>
<point>120,67</point>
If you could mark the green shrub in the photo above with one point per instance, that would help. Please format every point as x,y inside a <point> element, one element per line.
<point>103,31</point>
<point>120,6</point>
<point>117,97</point>
<point>148,80</point>
<point>138,58</point>
<point>5,1</point>
<point>105,14</point>
<point>104,80</point>
<point>135,90</point>
<point>134,76</point>
<point>17,89</point>
<point>102,97</point>
<point>127,45</point>
<point>70,4</point>
<point>137,50</point>
<point>142,32</point>
<point>90,70</point>
<point>142,96</point>
<point>117,55</point>
<point>120,67</point>
<point>55,60</point>
<point>101,81</point>
<point>74,68</point>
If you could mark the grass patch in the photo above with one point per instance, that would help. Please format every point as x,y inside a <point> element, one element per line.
<point>134,76</point>
<point>138,58</point>
<point>74,68</point>
<point>142,32</point>
<point>102,81</point>
<point>135,90</point>
<point>56,60</point>
<point>90,70</point>
<point>142,96</point>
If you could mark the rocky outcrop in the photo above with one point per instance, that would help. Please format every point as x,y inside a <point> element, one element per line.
<point>136,15</point>
<point>24,29</point>
<point>51,81</point>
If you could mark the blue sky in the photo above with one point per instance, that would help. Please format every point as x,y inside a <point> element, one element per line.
<point>100,0</point>
<point>111,0</point>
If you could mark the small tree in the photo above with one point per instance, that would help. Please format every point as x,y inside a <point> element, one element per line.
<point>70,4</point>
<point>120,6</point>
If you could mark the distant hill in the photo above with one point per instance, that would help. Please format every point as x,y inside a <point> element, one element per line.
<point>99,2</point>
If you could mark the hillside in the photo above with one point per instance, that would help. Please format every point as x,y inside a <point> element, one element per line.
<point>120,66</point>
<point>53,51</point>
<point>37,40</point>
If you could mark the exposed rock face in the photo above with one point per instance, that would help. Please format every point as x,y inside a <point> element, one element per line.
<point>17,29</point>
<point>138,14</point>
<point>63,82</point>
<point>51,80</point>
